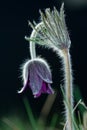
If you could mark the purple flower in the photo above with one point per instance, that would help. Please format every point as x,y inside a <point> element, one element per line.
<point>37,76</point>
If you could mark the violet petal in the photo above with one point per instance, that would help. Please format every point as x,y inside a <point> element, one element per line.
<point>50,90</point>
<point>42,69</point>
<point>35,81</point>
<point>24,87</point>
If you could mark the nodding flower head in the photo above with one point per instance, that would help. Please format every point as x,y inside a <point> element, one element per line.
<point>52,30</point>
<point>37,76</point>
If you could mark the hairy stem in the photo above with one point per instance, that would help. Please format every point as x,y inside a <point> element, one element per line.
<point>34,35</point>
<point>32,50</point>
<point>32,45</point>
<point>68,89</point>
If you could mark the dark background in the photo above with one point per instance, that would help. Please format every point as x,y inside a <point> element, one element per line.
<point>14,16</point>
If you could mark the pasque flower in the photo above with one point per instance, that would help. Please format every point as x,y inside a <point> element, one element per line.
<point>52,32</point>
<point>37,76</point>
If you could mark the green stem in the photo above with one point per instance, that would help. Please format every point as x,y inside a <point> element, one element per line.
<point>30,115</point>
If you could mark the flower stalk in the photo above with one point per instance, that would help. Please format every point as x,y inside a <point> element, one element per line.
<point>68,89</point>
<point>32,39</point>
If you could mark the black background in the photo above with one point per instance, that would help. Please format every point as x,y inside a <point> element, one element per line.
<point>14,16</point>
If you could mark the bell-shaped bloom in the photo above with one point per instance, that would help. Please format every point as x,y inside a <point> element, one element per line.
<point>37,76</point>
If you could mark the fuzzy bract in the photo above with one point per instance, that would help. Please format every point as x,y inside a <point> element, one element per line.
<point>52,30</point>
